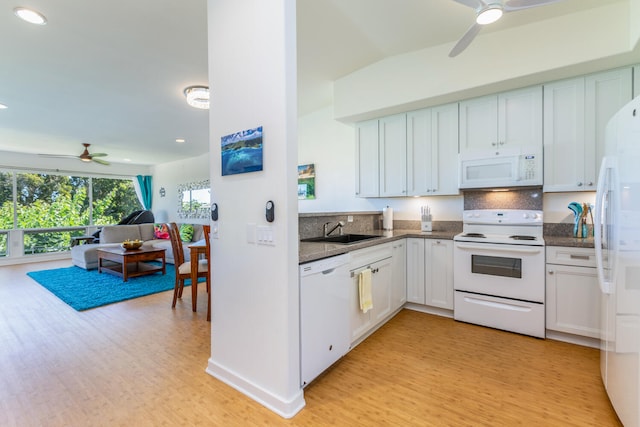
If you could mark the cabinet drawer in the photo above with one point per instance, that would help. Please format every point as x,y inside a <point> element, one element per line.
<point>582,257</point>
<point>369,255</point>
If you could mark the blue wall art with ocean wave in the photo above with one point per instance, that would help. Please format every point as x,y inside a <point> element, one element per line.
<point>242,152</point>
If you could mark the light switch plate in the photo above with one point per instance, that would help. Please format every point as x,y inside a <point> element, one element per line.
<point>266,235</point>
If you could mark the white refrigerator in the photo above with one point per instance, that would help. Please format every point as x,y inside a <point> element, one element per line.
<point>617,242</point>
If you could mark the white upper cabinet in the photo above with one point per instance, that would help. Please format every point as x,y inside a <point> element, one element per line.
<point>576,113</point>
<point>381,157</point>
<point>564,156</point>
<point>367,167</point>
<point>479,124</point>
<point>509,120</point>
<point>432,151</point>
<point>393,155</point>
<point>636,81</point>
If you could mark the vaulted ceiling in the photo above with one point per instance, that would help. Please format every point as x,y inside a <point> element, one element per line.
<point>112,73</point>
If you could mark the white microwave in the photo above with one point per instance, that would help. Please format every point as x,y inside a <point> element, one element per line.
<point>519,168</point>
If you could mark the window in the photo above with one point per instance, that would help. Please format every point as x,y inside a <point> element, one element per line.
<point>53,208</point>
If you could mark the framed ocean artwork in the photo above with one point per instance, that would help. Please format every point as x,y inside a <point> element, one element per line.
<point>242,152</point>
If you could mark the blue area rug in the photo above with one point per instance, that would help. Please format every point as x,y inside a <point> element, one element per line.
<point>83,289</point>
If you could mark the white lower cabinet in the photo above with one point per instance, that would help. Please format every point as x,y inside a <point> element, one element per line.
<point>430,272</point>
<point>379,260</point>
<point>399,274</point>
<point>573,295</point>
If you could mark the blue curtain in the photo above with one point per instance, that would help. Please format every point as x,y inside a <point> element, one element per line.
<point>145,190</point>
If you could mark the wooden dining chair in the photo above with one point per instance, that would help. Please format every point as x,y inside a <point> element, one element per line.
<point>183,268</point>
<point>207,236</point>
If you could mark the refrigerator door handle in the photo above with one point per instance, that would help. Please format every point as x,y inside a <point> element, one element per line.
<point>601,193</point>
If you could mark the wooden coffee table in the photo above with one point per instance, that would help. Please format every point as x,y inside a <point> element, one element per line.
<point>130,263</point>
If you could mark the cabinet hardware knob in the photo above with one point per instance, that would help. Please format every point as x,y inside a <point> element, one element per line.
<point>501,142</point>
<point>494,144</point>
<point>589,183</point>
<point>579,184</point>
<point>550,271</point>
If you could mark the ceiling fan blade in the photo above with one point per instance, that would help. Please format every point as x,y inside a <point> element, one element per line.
<point>65,156</point>
<point>511,5</point>
<point>102,162</point>
<point>475,4</point>
<point>466,40</point>
<point>98,154</point>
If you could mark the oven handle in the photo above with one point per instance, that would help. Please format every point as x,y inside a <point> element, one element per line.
<point>511,248</point>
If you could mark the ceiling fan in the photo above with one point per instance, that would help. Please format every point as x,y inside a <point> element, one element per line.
<point>488,12</point>
<point>85,156</point>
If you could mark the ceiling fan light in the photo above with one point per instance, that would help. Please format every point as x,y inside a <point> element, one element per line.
<point>489,15</point>
<point>29,15</point>
<point>85,159</point>
<point>197,96</point>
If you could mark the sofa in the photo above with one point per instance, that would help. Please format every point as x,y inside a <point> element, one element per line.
<point>86,255</point>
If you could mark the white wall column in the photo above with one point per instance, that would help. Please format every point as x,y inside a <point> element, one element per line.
<point>255,320</point>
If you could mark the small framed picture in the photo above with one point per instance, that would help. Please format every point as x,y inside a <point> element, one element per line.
<point>242,152</point>
<point>306,182</point>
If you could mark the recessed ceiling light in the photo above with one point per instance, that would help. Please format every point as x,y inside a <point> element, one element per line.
<point>126,160</point>
<point>180,140</point>
<point>3,107</point>
<point>29,15</point>
<point>197,96</point>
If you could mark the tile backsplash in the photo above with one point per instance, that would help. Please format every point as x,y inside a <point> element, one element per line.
<point>528,198</point>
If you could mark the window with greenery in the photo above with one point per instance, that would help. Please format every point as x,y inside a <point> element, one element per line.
<point>52,208</point>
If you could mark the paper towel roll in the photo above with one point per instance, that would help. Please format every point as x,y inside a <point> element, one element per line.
<point>387,218</point>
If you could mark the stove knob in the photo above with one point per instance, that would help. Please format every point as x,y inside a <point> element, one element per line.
<point>525,215</point>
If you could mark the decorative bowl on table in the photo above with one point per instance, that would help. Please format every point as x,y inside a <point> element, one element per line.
<point>130,245</point>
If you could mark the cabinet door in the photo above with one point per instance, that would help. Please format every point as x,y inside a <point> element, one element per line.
<point>399,275</point>
<point>439,273</point>
<point>419,153</point>
<point>520,118</point>
<point>605,94</point>
<point>415,270</point>
<point>564,144</point>
<point>381,290</point>
<point>393,155</point>
<point>360,322</point>
<point>444,150</point>
<point>573,300</point>
<point>636,81</point>
<point>367,183</point>
<point>478,124</point>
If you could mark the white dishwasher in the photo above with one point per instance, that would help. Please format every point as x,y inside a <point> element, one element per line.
<point>324,315</point>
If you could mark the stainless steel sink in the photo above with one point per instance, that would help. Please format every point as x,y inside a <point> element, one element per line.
<point>342,239</point>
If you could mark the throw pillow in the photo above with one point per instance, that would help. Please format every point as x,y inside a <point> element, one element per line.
<point>161,231</point>
<point>186,232</point>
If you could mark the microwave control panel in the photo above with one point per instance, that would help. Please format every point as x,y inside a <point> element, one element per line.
<point>528,167</point>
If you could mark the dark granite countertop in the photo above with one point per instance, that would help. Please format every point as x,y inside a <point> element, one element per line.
<point>312,251</point>
<point>569,241</point>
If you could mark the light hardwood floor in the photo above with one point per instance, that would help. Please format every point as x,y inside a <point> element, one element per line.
<point>139,363</point>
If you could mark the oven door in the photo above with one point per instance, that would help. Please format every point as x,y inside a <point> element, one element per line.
<point>509,271</point>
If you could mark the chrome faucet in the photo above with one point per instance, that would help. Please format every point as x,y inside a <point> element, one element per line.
<point>326,233</point>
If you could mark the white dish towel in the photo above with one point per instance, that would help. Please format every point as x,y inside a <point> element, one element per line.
<point>364,290</point>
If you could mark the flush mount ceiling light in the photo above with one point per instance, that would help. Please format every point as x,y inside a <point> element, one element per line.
<point>3,107</point>
<point>197,96</point>
<point>29,15</point>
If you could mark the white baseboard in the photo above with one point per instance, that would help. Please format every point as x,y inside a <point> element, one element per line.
<point>282,407</point>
